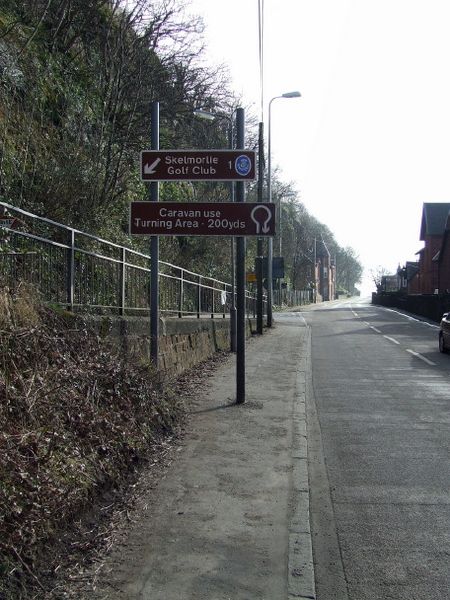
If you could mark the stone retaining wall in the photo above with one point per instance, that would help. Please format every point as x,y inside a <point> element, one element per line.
<point>183,343</point>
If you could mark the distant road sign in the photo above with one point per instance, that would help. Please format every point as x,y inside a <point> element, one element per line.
<point>277,267</point>
<point>8,222</point>
<point>198,165</point>
<point>202,218</point>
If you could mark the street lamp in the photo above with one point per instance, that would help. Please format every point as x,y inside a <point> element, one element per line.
<point>203,114</point>
<point>208,116</point>
<point>269,192</point>
<point>280,227</point>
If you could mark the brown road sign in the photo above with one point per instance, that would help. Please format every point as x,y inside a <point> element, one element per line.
<point>8,222</point>
<point>198,165</point>
<point>202,218</point>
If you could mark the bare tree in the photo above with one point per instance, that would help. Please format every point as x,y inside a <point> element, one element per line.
<point>377,275</point>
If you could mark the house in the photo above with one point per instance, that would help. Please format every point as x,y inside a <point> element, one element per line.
<point>409,278</point>
<point>432,230</point>
<point>443,260</point>
<point>325,273</point>
<point>424,286</point>
<point>390,283</point>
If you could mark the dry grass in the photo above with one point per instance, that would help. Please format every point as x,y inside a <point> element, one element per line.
<point>75,419</point>
<point>19,308</point>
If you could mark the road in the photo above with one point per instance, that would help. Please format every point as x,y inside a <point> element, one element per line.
<point>378,436</point>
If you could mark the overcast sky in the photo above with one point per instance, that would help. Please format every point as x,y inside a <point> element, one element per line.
<point>369,140</point>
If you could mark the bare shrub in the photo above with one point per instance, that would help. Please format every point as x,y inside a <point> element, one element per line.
<point>19,307</point>
<point>75,419</point>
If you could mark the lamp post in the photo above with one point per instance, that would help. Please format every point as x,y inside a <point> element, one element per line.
<point>203,114</point>
<point>269,193</point>
<point>280,228</point>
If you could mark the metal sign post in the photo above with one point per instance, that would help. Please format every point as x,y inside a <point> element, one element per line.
<point>240,277</point>
<point>201,165</point>
<point>259,247</point>
<point>154,250</point>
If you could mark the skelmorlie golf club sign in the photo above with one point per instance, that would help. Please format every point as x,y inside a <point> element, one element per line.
<point>198,165</point>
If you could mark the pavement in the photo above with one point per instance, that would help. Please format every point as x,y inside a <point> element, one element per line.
<point>230,519</point>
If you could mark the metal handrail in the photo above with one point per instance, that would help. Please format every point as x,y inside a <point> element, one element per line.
<point>79,278</point>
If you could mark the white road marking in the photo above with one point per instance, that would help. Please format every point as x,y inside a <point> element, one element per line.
<point>303,319</point>
<point>394,341</point>
<point>433,326</point>
<point>417,355</point>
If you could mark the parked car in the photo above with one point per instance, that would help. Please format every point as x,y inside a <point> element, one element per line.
<point>444,333</point>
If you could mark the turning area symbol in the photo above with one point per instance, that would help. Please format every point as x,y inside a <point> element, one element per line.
<point>261,215</point>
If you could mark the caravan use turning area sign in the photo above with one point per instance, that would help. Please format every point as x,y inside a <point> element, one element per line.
<point>202,218</point>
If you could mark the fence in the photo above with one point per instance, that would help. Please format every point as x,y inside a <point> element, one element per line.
<point>292,298</point>
<point>81,271</point>
<point>430,306</point>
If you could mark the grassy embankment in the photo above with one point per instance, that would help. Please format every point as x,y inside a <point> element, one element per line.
<point>75,420</point>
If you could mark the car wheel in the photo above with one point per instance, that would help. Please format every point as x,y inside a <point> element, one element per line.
<point>442,346</point>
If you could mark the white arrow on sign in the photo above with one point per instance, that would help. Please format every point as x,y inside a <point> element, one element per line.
<point>150,169</point>
<point>262,224</point>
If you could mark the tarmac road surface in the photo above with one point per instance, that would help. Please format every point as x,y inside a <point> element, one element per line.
<point>378,438</point>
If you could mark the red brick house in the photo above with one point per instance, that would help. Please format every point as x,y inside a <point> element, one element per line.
<point>432,230</point>
<point>443,260</point>
<point>325,273</point>
<point>424,286</point>
<point>412,277</point>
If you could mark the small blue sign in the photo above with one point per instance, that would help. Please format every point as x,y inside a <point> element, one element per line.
<point>243,165</point>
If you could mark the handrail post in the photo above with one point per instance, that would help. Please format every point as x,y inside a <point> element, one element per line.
<point>71,271</point>
<point>225,303</point>
<point>122,282</point>
<point>199,296</point>
<point>259,294</point>
<point>181,295</point>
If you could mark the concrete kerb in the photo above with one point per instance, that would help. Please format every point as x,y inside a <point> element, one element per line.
<point>301,581</point>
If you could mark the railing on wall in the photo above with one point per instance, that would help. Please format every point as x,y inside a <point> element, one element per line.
<point>84,272</point>
<point>292,298</point>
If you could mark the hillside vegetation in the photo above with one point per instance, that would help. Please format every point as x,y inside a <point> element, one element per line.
<point>77,78</point>
<point>75,421</point>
